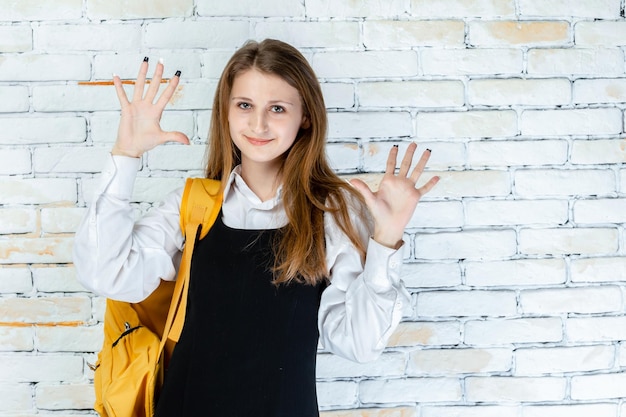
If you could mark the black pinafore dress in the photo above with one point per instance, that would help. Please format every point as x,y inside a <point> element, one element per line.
<point>248,347</point>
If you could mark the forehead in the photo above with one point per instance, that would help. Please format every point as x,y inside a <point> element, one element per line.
<point>255,82</point>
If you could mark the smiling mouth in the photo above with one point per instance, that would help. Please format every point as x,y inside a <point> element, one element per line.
<point>257,141</point>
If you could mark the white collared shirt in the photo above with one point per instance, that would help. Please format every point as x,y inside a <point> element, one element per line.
<point>118,257</point>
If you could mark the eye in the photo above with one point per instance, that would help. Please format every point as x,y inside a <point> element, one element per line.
<point>243,105</point>
<point>277,109</point>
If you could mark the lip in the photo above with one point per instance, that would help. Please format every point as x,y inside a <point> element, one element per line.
<point>257,141</point>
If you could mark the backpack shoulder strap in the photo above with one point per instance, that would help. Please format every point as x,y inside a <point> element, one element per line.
<point>200,206</point>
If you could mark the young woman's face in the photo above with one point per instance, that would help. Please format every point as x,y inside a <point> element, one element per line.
<point>264,116</point>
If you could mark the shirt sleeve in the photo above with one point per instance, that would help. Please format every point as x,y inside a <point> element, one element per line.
<point>116,256</point>
<point>364,302</point>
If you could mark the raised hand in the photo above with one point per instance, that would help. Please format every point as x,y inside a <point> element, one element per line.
<point>140,129</point>
<point>393,204</point>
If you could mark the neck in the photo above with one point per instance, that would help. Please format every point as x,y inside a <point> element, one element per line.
<point>263,179</point>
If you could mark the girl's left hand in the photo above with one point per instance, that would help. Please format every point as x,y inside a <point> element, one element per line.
<point>392,206</point>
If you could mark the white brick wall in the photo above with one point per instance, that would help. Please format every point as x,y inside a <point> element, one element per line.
<point>516,260</point>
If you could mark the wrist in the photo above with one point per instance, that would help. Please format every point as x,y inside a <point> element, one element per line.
<point>125,152</point>
<point>390,241</point>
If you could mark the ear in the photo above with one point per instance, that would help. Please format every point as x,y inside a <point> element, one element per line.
<point>305,123</point>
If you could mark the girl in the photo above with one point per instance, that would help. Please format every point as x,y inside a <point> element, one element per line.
<point>296,253</point>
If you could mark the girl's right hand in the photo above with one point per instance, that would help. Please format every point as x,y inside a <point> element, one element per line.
<point>139,129</point>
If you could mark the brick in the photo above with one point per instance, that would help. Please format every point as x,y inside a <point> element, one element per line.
<point>58,98</point>
<point>600,33</point>
<point>69,159</point>
<point>600,211</point>
<point>324,8</point>
<point>506,153</point>
<point>196,34</point>
<point>571,122</point>
<point>562,241</point>
<point>410,390</point>
<point>595,9</point>
<point>213,63</point>
<point>515,32</point>
<point>622,353</point>
<point>15,97</point>
<point>15,161</point>
<point>592,387</point>
<point>15,339</point>
<point>365,64</point>
<point>469,411</point>
<point>466,303</point>
<point>37,190</point>
<point>176,157</point>
<point>467,124</point>
<point>343,157</point>
<point>120,9</point>
<point>56,278</point>
<point>338,95</point>
<point>15,397</point>
<point>61,219</point>
<point>461,8</point>
<point>388,364</point>
<point>40,368</point>
<point>250,8</point>
<point>511,212</point>
<point>48,67</point>
<point>443,155</point>
<point>69,37</point>
<point>595,329</point>
<point>612,90</point>
<point>411,94</point>
<point>372,412</point>
<point>437,214</point>
<point>583,300</point>
<point>15,279</point>
<point>507,331</point>
<point>557,360</point>
<point>575,61</point>
<point>28,10</point>
<point>519,272</point>
<point>45,310</point>
<point>600,151</point>
<point>379,34</point>
<point>424,333</point>
<point>36,250</point>
<point>520,91</point>
<point>69,339</point>
<point>571,410</point>
<point>544,182</point>
<point>438,362</point>
<point>471,61</point>
<point>17,220</point>
<point>64,397</point>
<point>126,65</point>
<point>369,124</point>
<point>327,34</point>
<point>337,393</point>
<point>492,244</point>
<point>598,269</point>
<point>509,389</point>
<point>15,39</point>
<point>33,130</point>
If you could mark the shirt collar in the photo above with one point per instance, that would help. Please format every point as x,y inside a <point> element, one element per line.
<point>237,186</point>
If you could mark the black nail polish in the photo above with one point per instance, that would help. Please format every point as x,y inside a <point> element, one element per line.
<point>145,59</point>
<point>395,146</point>
<point>428,150</point>
<point>177,74</point>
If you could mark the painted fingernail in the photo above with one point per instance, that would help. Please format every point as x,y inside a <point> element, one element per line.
<point>145,59</point>
<point>177,74</point>
<point>428,150</point>
<point>161,61</point>
<point>395,146</point>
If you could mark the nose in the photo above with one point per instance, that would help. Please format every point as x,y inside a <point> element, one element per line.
<point>258,122</point>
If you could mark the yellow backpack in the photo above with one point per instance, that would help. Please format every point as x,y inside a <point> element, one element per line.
<point>139,337</point>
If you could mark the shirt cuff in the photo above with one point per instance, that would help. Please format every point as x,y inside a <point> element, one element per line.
<point>382,266</point>
<point>119,174</point>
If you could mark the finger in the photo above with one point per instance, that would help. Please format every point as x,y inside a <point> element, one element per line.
<point>119,89</point>
<point>365,191</point>
<point>421,164</point>
<point>155,83</point>
<point>428,186</point>
<point>178,137</point>
<point>169,91</point>
<point>141,80</point>
<point>407,160</point>
<point>391,160</point>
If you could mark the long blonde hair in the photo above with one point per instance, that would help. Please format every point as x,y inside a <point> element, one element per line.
<point>310,187</point>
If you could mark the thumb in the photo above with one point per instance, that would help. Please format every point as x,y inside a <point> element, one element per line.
<point>363,188</point>
<point>175,137</point>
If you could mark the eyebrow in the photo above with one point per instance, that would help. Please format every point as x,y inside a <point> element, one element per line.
<point>270,102</point>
